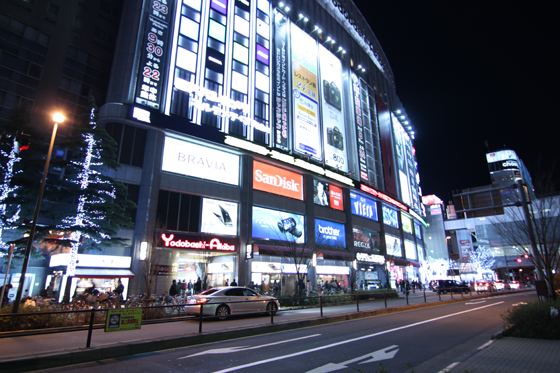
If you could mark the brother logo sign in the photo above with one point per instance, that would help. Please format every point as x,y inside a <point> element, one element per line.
<point>330,233</point>
<point>277,180</point>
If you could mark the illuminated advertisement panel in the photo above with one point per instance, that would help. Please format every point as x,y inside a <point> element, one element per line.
<point>393,245</point>
<point>153,60</point>
<point>390,217</point>
<point>193,242</point>
<point>218,217</point>
<point>281,80</point>
<point>327,195</point>
<point>307,134</point>
<point>420,253</point>
<point>332,110</point>
<point>400,136</point>
<point>328,233</point>
<point>410,250</point>
<point>277,180</point>
<point>364,207</point>
<point>186,158</point>
<point>277,225</point>
<point>418,230</point>
<point>406,224</point>
<point>366,240</point>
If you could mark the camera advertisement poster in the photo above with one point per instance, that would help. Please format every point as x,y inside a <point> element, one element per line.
<point>219,217</point>
<point>307,139</point>
<point>278,225</point>
<point>332,110</point>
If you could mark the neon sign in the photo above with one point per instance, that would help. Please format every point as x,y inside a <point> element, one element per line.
<point>213,244</point>
<point>384,197</point>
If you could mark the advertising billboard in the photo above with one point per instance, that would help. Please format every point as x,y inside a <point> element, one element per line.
<point>418,230</point>
<point>328,233</point>
<point>277,225</point>
<point>406,223</point>
<point>327,195</point>
<point>410,250</point>
<point>307,134</point>
<point>332,110</point>
<point>277,180</point>
<point>218,217</point>
<point>359,124</point>
<point>384,118</point>
<point>390,217</point>
<point>393,245</point>
<point>186,158</point>
<point>364,207</point>
<point>281,80</point>
<point>366,240</point>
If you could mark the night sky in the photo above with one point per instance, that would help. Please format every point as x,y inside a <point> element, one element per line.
<point>472,72</point>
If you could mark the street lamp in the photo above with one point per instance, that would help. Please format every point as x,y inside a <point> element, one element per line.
<point>57,118</point>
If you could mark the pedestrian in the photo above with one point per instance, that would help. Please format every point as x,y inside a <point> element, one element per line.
<point>198,286</point>
<point>226,283</point>
<point>119,290</point>
<point>173,289</point>
<point>233,283</point>
<point>6,298</point>
<point>184,287</point>
<point>190,286</point>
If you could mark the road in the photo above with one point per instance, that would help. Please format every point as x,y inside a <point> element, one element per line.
<point>426,340</point>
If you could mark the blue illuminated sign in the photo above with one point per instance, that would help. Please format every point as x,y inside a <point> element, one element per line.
<point>328,233</point>
<point>363,206</point>
<point>278,225</point>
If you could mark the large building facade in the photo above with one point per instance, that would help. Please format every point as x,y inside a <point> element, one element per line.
<point>250,128</point>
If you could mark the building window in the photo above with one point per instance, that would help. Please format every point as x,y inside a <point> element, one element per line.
<point>132,194</point>
<point>53,9</point>
<point>178,211</point>
<point>131,142</point>
<point>77,23</point>
<point>100,34</point>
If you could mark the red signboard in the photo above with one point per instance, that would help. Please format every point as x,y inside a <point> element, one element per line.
<point>176,241</point>
<point>277,180</point>
<point>384,197</point>
<point>335,198</point>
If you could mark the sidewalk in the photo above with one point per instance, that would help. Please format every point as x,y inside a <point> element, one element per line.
<point>512,355</point>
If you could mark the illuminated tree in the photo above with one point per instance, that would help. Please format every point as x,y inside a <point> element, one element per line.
<point>482,258</point>
<point>9,214</point>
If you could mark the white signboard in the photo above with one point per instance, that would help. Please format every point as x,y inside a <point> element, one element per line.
<point>186,158</point>
<point>219,217</point>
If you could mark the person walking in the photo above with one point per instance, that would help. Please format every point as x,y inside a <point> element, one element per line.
<point>119,290</point>
<point>233,283</point>
<point>173,289</point>
<point>198,286</point>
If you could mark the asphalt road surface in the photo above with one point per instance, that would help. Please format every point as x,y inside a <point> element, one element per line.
<point>424,340</point>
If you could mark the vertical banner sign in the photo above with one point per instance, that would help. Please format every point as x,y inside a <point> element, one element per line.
<point>281,97</point>
<point>153,49</point>
<point>332,111</point>
<point>357,102</point>
<point>384,118</point>
<point>399,136</point>
<point>412,174</point>
<point>307,134</point>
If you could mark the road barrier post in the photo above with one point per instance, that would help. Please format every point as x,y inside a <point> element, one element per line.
<point>321,304</point>
<point>424,295</point>
<point>200,320</point>
<point>90,329</point>
<point>407,297</point>
<point>385,298</point>
<point>357,302</point>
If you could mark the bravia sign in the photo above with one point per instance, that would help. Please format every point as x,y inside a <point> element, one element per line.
<point>183,241</point>
<point>277,180</point>
<point>189,159</point>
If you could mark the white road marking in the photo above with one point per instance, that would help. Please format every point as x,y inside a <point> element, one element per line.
<point>448,369</point>
<point>232,369</point>
<point>229,350</point>
<point>476,302</point>
<point>373,356</point>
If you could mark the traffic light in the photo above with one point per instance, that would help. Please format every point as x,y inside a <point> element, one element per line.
<point>23,140</point>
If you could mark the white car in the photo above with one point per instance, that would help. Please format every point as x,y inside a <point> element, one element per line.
<point>230,300</point>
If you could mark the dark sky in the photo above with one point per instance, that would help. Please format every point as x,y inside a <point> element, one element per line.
<point>468,73</point>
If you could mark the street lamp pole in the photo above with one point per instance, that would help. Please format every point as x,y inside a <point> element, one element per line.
<point>57,118</point>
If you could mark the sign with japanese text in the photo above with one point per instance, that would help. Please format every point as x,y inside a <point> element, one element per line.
<point>122,319</point>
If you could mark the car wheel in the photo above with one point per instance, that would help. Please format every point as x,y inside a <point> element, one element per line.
<point>271,308</point>
<point>222,312</point>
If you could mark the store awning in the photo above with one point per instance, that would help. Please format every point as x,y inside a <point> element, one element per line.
<point>399,262</point>
<point>103,273</point>
<point>415,264</point>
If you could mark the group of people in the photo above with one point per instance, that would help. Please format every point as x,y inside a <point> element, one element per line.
<point>183,288</point>
<point>406,286</point>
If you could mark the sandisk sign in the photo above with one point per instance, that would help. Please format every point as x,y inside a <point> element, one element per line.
<point>277,180</point>
<point>176,241</point>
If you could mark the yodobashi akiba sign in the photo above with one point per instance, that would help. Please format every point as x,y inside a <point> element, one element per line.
<point>277,180</point>
<point>186,158</point>
<point>183,241</point>
<point>328,233</point>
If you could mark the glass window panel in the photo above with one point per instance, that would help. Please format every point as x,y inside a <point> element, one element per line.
<point>262,82</point>
<point>241,53</point>
<point>263,29</point>
<point>263,5</point>
<point>195,4</point>
<point>241,26</point>
<point>239,82</point>
<point>186,59</point>
<point>217,31</point>
<point>189,28</point>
